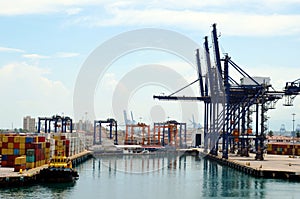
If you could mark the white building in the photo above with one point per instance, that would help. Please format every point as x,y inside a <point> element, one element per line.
<point>29,124</point>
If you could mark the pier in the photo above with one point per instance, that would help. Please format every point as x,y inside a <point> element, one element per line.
<point>273,166</point>
<point>10,178</point>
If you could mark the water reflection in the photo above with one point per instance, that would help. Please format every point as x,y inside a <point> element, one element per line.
<point>222,181</point>
<point>138,164</point>
<point>161,176</point>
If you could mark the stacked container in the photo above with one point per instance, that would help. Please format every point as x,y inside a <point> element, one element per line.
<point>39,149</point>
<point>30,159</point>
<point>14,146</point>
<point>283,149</point>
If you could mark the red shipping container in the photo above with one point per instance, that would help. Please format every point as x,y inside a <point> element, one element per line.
<point>4,163</point>
<point>67,142</point>
<point>11,139</point>
<point>16,145</point>
<point>63,137</point>
<point>48,145</point>
<point>35,145</point>
<point>4,145</point>
<point>11,157</point>
<point>28,146</point>
<point>41,139</point>
<point>42,156</point>
<point>10,163</point>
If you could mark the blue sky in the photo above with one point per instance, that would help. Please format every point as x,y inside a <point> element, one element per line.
<point>43,45</point>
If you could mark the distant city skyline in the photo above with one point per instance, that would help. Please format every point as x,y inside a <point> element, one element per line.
<point>44,44</point>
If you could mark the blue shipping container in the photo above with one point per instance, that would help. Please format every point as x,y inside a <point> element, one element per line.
<point>29,159</point>
<point>16,151</point>
<point>29,139</point>
<point>4,157</point>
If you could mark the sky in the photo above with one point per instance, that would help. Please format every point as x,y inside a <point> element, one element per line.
<point>44,45</point>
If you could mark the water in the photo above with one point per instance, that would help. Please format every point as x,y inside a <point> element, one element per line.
<point>158,177</point>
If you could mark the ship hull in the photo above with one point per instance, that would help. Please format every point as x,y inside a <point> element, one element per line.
<point>59,175</point>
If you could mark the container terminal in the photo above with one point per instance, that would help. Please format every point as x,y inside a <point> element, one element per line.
<point>229,135</point>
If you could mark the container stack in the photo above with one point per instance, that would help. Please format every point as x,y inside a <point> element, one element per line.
<point>60,145</point>
<point>14,146</point>
<point>283,149</point>
<point>30,158</point>
<point>67,144</point>
<point>38,149</point>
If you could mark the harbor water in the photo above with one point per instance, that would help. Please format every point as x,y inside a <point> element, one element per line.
<point>157,176</point>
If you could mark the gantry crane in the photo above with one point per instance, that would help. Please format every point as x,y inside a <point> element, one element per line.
<point>112,123</point>
<point>230,104</point>
<point>59,122</point>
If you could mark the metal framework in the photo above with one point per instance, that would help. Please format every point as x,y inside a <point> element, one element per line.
<point>176,133</point>
<point>111,122</point>
<point>59,121</point>
<point>132,127</point>
<point>230,104</point>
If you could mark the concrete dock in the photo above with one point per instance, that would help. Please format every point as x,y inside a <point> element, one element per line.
<point>10,178</point>
<point>273,166</point>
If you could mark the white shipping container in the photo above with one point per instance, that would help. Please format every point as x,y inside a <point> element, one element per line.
<point>259,80</point>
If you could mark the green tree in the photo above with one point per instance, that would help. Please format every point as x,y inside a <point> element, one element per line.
<point>270,133</point>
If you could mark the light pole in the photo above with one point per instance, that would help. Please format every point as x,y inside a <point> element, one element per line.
<point>293,134</point>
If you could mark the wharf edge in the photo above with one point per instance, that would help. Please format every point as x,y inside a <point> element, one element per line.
<point>283,167</point>
<point>9,178</point>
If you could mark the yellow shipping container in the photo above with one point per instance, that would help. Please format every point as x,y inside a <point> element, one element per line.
<point>22,139</point>
<point>10,151</point>
<point>22,145</point>
<point>56,137</point>
<point>59,143</point>
<point>0,144</point>
<point>17,139</point>
<point>10,145</point>
<point>29,165</point>
<point>20,160</point>
<point>4,152</point>
<point>4,139</point>
<point>22,152</point>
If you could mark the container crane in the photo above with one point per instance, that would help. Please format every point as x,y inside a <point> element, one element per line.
<point>229,104</point>
<point>291,90</point>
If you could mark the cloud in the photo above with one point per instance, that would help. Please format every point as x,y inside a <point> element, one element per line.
<point>258,17</point>
<point>25,7</point>
<point>73,11</point>
<point>56,55</point>
<point>233,23</point>
<point>5,49</point>
<point>66,54</point>
<point>35,56</point>
<point>28,91</point>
